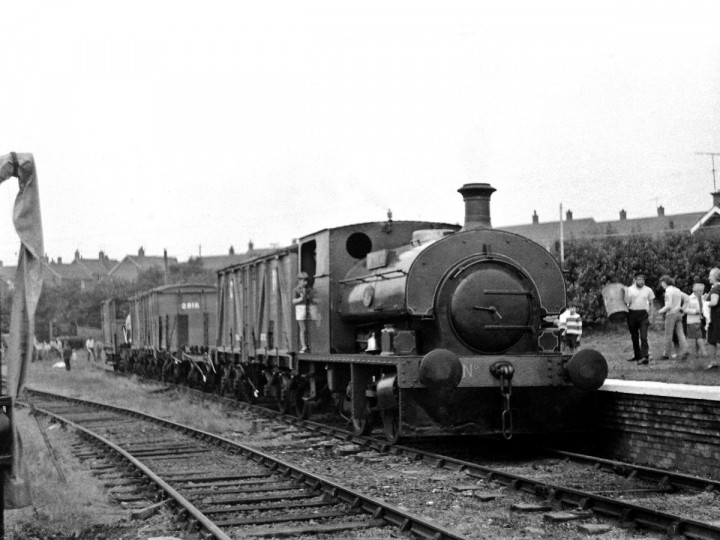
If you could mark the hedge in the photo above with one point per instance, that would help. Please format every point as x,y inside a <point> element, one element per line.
<point>591,264</point>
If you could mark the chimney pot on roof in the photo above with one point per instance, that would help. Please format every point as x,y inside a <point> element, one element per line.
<point>623,215</point>
<point>536,219</point>
<point>59,260</point>
<point>231,251</point>
<point>716,198</point>
<point>77,254</point>
<point>250,245</point>
<point>661,211</point>
<point>568,215</point>
<point>141,252</point>
<point>101,256</point>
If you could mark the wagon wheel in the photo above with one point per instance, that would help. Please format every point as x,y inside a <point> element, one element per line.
<point>284,394</point>
<point>303,408</point>
<point>211,384</point>
<point>222,382</point>
<point>391,425</point>
<point>244,391</point>
<point>298,393</point>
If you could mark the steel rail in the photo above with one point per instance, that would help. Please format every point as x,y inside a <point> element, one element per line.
<point>641,472</point>
<point>407,522</point>
<point>671,524</point>
<point>665,478</point>
<point>201,519</point>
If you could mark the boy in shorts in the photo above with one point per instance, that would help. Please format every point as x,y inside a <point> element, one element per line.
<point>571,325</point>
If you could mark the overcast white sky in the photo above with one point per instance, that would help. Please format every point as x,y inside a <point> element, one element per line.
<point>184,124</point>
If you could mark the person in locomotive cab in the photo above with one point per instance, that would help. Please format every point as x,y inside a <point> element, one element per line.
<point>639,300</point>
<point>570,323</point>
<point>303,298</point>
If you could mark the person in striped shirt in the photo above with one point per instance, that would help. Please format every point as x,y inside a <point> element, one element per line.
<point>570,323</point>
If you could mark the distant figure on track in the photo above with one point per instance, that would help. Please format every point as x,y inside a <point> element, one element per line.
<point>98,350</point>
<point>67,355</point>
<point>90,348</point>
<point>639,300</point>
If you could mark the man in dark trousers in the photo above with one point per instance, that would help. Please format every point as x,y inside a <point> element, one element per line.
<point>639,299</point>
<point>67,355</point>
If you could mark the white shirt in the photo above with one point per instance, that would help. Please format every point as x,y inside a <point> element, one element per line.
<point>637,298</point>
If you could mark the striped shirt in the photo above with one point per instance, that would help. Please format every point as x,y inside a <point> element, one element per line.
<point>571,323</point>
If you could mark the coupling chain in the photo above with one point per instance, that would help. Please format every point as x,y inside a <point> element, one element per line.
<point>504,371</point>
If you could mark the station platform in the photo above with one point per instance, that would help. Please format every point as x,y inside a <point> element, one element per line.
<point>671,390</point>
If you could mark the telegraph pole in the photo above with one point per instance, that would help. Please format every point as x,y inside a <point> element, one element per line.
<point>562,240</point>
<point>712,156</point>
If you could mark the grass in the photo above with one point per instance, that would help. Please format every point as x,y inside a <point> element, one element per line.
<point>615,344</point>
<point>78,508</point>
<point>73,508</point>
<point>63,505</point>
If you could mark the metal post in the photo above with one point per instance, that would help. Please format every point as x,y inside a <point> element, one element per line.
<point>2,509</point>
<point>562,240</point>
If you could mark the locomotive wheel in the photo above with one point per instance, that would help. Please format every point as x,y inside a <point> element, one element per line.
<point>364,425</point>
<point>297,393</point>
<point>391,425</point>
<point>303,408</point>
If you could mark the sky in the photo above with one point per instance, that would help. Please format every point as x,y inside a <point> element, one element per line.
<point>194,126</point>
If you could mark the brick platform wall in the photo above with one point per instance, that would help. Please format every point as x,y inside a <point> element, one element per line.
<point>663,432</point>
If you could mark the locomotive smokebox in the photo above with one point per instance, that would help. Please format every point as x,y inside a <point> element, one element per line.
<point>477,205</point>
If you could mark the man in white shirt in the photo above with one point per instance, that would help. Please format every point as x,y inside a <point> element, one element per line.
<point>673,318</point>
<point>90,348</point>
<point>639,300</point>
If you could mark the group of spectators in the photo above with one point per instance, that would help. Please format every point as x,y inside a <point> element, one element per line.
<point>59,349</point>
<point>697,313</point>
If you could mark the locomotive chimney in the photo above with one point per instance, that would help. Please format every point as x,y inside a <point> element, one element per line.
<point>477,205</point>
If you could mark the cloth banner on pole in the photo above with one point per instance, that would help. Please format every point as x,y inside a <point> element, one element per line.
<point>28,285</point>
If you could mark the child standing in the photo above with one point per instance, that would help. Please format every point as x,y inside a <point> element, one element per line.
<point>571,324</point>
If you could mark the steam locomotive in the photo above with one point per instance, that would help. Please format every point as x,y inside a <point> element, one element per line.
<point>422,328</point>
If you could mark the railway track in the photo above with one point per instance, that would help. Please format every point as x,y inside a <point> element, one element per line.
<point>219,487</point>
<point>627,494</point>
